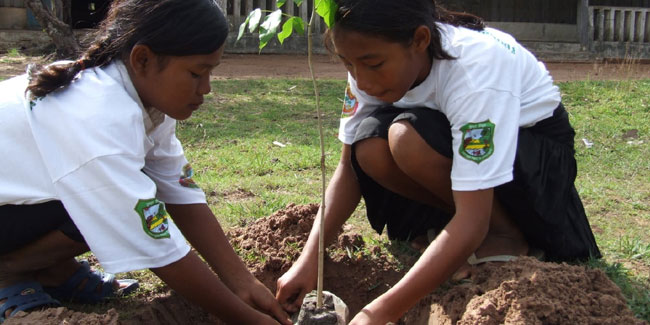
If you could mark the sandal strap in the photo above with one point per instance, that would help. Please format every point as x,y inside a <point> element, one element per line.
<point>98,286</point>
<point>24,296</point>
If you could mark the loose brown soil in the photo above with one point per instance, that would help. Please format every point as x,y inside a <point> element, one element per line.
<point>524,291</point>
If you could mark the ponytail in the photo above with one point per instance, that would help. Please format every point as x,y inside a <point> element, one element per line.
<point>459,19</point>
<point>46,79</point>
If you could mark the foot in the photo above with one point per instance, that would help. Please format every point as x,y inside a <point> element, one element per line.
<point>421,242</point>
<point>23,296</point>
<point>88,286</point>
<point>493,245</point>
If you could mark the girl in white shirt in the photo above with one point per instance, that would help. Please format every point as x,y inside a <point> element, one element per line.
<point>448,128</point>
<point>91,161</point>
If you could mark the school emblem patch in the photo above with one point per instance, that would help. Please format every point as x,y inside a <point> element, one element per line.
<point>155,220</point>
<point>186,179</point>
<point>350,103</point>
<point>477,142</point>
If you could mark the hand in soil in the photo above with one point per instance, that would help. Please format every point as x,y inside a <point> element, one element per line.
<point>260,297</point>
<point>294,285</point>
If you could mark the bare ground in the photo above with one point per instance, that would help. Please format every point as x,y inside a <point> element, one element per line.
<point>248,66</point>
<point>235,66</point>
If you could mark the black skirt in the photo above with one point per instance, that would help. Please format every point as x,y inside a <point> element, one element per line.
<point>541,199</point>
<point>23,224</point>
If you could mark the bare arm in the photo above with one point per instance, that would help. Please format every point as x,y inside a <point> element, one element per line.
<point>462,236</point>
<point>191,278</point>
<point>342,197</point>
<point>235,284</point>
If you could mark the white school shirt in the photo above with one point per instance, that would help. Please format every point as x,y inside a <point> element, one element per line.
<point>111,162</point>
<point>493,87</point>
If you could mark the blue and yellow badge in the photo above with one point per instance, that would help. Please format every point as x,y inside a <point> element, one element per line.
<point>186,179</point>
<point>155,220</point>
<point>477,142</point>
<point>350,103</point>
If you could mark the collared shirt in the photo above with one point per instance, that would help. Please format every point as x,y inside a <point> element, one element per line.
<point>112,163</point>
<point>492,88</point>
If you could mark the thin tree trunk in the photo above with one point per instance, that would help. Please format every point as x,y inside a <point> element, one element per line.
<point>61,34</point>
<point>66,8</point>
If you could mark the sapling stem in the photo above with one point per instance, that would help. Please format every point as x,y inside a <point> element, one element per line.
<point>321,233</point>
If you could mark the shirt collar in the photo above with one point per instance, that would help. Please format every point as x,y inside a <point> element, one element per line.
<point>152,116</point>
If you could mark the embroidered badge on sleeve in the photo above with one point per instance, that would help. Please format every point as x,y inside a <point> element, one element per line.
<point>477,142</point>
<point>186,179</point>
<point>155,220</point>
<point>350,103</point>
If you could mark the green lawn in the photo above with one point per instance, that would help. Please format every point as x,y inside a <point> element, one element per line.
<point>230,142</point>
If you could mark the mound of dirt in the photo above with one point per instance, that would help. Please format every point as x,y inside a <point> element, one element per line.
<point>524,291</point>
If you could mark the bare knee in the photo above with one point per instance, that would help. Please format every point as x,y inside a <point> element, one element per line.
<point>412,154</point>
<point>374,158</point>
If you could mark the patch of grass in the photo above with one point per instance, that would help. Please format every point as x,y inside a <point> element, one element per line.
<point>633,248</point>
<point>13,53</point>
<point>613,173</point>
<point>230,142</point>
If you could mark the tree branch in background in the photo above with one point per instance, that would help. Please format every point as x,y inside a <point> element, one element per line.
<point>61,34</point>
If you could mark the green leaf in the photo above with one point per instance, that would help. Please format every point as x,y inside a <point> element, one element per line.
<point>287,29</point>
<point>327,9</point>
<point>293,23</point>
<point>254,17</point>
<point>281,3</point>
<point>269,27</point>
<point>242,29</point>
<point>299,25</point>
<point>297,2</point>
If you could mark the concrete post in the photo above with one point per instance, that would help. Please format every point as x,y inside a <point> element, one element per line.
<point>584,24</point>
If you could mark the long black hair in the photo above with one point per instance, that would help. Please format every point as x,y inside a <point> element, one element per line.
<point>167,27</point>
<point>396,21</point>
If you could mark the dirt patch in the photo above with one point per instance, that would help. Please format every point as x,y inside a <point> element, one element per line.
<point>63,315</point>
<point>525,291</point>
<point>252,66</point>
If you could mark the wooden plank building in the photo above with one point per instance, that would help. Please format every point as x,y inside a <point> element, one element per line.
<point>587,28</point>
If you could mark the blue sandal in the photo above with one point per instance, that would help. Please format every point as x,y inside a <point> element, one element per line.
<point>24,296</point>
<point>73,290</point>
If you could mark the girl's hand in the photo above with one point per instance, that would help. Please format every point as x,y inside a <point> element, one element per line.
<point>293,286</point>
<point>258,296</point>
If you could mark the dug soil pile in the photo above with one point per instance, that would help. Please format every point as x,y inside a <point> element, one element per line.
<point>524,291</point>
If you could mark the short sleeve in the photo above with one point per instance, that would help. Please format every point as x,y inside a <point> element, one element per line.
<point>168,167</point>
<point>484,131</point>
<point>114,206</point>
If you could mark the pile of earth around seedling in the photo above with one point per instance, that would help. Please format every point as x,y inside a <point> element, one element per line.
<point>524,291</point>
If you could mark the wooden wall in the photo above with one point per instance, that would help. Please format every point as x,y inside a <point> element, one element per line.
<point>12,3</point>
<point>533,11</point>
<point>621,3</point>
